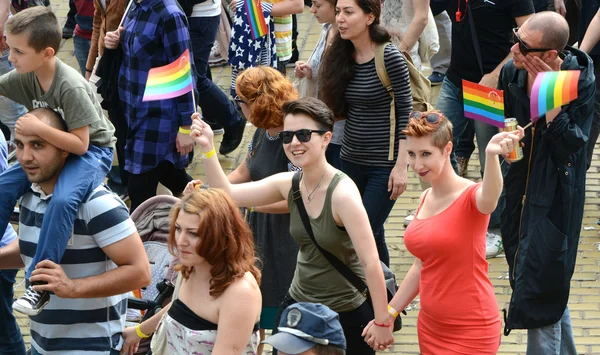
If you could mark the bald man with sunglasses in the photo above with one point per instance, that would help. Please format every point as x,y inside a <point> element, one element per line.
<point>545,190</point>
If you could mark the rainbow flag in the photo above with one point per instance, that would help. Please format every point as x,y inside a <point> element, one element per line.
<point>551,90</point>
<point>169,81</point>
<point>256,18</point>
<point>483,103</point>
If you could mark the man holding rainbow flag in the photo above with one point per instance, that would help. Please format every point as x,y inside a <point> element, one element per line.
<point>551,87</point>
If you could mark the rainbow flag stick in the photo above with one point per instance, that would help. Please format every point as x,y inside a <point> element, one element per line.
<point>256,18</point>
<point>125,14</point>
<point>171,80</point>
<point>551,90</point>
<point>483,103</point>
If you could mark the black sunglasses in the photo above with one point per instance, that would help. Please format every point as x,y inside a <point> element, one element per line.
<point>239,101</point>
<point>523,47</point>
<point>430,117</point>
<point>303,135</point>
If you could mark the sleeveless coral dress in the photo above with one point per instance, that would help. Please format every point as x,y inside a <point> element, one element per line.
<point>459,312</point>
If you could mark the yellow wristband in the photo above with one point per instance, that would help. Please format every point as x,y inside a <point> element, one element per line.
<point>184,131</point>
<point>252,209</point>
<point>139,333</point>
<point>394,313</point>
<point>210,154</point>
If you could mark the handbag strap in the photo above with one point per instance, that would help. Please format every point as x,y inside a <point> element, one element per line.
<point>342,268</point>
<point>475,40</point>
<point>387,84</point>
<point>177,286</point>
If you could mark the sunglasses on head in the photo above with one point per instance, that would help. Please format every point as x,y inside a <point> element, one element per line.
<point>523,47</point>
<point>303,135</point>
<point>430,117</point>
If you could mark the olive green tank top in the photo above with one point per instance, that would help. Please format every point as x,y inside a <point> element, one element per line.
<point>315,279</point>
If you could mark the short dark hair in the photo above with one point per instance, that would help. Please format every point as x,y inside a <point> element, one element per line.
<point>554,29</point>
<point>328,350</point>
<point>42,26</point>
<point>313,108</point>
<point>50,117</point>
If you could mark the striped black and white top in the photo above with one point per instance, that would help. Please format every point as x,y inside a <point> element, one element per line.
<point>79,325</point>
<point>367,133</point>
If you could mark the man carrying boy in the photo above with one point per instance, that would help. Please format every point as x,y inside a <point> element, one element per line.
<point>104,258</point>
<point>41,80</point>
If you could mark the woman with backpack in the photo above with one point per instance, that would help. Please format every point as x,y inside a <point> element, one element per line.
<point>333,213</point>
<point>353,88</point>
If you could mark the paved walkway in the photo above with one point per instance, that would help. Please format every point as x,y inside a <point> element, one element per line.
<point>585,291</point>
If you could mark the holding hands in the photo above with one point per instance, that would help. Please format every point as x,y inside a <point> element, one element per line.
<point>504,142</point>
<point>379,338</point>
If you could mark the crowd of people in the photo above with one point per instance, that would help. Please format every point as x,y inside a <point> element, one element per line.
<point>293,239</point>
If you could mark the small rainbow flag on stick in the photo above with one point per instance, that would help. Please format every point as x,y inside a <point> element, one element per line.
<point>170,81</point>
<point>551,90</point>
<point>256,18</point>
<point>483,103</point>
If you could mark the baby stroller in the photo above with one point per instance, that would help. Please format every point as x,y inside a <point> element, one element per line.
<point>151,219</point>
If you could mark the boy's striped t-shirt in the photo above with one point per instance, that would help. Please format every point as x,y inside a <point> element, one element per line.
<point>72,326</point>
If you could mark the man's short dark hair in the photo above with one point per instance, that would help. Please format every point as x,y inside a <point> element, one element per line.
<point>40,23</point>
<point>554,29</point>
<point>50,117</point>
<point>328,350</point>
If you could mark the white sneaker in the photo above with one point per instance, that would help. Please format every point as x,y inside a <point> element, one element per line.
<point>215,58</point>
<point>409,218</point>
<point>493,245</point>
<point>32,302</point>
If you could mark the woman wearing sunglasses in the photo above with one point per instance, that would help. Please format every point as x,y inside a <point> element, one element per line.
<point>337,218</point>
<point>261,91</point>
<point>373,147</point>
<point>459,312</point>
<point>324,12</point>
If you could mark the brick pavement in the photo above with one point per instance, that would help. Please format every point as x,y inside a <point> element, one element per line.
<point>585,292</point>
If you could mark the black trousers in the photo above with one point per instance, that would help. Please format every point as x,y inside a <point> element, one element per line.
<point>353,323</point>
<point>143,186</point>
<point>116,115</point>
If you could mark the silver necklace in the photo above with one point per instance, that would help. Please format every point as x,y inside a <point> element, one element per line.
<point>311,193</point>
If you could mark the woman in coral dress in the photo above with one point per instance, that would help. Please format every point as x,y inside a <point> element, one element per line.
<point>459,312</point>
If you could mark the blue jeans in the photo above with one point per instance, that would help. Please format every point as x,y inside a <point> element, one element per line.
<point>215,104</point>
<point>11,340</point>
<point>10,111</point>
<point>372,182</point>
<point>81,47</point>
<point>78,178</point>
<point>450,103</point>
<point>555,339</point>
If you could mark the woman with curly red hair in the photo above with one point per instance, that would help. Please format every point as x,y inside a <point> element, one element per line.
<point>218,300</point>
<point>261,92</point>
